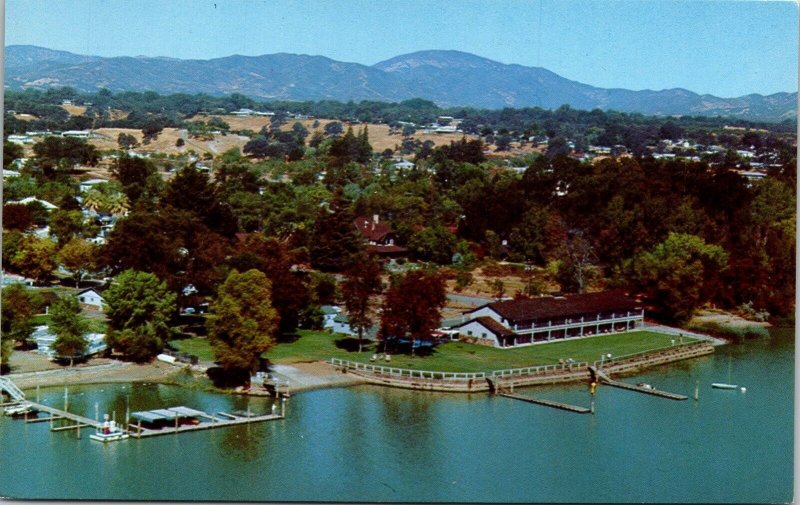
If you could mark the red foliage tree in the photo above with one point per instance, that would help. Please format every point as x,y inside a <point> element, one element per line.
<point>412,307</point>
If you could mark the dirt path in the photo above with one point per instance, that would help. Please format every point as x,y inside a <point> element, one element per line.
<point>111,371</point>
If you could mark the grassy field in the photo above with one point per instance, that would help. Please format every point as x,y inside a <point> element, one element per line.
<point>197,346</point>
<point>453,356</point>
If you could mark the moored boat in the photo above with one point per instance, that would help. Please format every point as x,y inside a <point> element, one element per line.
<point>18,410</point>
<point>109,431</point>
<point>722,385</point>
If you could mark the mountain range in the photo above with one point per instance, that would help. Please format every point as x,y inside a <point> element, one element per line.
<point>448,78</point>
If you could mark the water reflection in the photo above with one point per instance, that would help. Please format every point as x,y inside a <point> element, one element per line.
<point>375,444</point>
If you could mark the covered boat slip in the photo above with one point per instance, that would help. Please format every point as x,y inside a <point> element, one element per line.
<point>169,414</point>
<point>181,419</point>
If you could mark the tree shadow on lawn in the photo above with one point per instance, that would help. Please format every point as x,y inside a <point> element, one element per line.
<point>287,338</point>
<point>350,344</point>
<point>226,379</point>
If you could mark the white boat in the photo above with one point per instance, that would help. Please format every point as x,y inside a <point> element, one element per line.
<point>18,410</point>
<point>722,385</point>
<point>645,385</point>
<point>109,431</point>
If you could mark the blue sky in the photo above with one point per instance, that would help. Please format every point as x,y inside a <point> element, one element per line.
<point>723,47</point>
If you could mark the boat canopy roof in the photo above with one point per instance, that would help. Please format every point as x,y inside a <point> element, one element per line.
<point>169,414</point>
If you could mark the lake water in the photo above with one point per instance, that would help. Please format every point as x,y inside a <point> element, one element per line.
<point>375,444</point>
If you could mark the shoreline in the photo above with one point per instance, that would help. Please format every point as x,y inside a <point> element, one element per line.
<point>309,376</point>
<point>298,377</point>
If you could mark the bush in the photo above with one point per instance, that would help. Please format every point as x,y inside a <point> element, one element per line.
<point>730,331</point>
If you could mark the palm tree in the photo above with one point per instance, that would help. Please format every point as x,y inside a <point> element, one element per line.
<point>117,203</point>
<point>94,200</point>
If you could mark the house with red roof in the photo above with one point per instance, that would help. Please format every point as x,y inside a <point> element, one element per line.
<point>513,323</point>
<point>380,237</point>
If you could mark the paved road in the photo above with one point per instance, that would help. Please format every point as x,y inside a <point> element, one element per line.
<point>473,301</point>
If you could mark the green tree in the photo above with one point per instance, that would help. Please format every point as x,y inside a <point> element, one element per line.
<point>11,152</point>
<point>126,141</point>
<point>137,177</point>
<point>65,224</point>
<point>336,239</point>
<point>675,274</point>
<point>78,256</point>
<point>434,243</point>
<point>361,284</point>
<point>18,308</point>
<point>6,346</point>
<point>69,327</point>
<point>70,150</point>
<point>35,258</point>
<point>243,322</point>
<point>139,309</point>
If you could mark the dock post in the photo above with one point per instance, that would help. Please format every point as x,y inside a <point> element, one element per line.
<point>283,407</point>
<point>176,424</point>
<point>52,416</point>
<point>66,399</point>
<point>696,390</point>
<point>78,430</point>
<point>37,393</point>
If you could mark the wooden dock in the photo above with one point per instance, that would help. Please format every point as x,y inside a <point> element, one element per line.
<point>61,414</point>
<point>134,429</point>
<point>548,403</point>
<point>648,391</point>
<point>599,375</point>
<point>137,430</point>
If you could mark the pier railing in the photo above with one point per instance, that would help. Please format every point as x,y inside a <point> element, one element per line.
<point>405,372</point>
<point>540,370</point>
<point>531,371</point>
<point>678,347</point>
<point>432,374</point>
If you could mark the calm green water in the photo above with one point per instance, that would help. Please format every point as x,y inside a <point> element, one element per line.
<point>374,444</point>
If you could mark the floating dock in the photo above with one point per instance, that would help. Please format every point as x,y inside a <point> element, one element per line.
<point>600,376</point>
<point>548,403</point>
<point>169,421</point>
<point>174,420</point>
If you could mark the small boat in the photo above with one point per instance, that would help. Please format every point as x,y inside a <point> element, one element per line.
<point>18,410</point>
<point>109,431</point>
<point>645,385</point>
<point>722,385</point>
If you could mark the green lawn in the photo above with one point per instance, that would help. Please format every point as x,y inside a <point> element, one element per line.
<point>197,346</point>
<point>453,356</point>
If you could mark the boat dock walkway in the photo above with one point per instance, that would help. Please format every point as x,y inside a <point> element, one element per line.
<point>649,391</point>
<point>600,376</point>
<point>160,421</point>
<point>138,432</point>
<point>548,403</point>
<point>62,414</point>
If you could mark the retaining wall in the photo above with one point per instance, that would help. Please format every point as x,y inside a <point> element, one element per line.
<point>552,375</point>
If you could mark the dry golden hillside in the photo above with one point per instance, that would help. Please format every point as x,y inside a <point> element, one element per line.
<point>165,143</point>
<point>74,110</point>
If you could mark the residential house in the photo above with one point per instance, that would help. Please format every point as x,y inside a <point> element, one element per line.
<point>521,322</point>
<point>92,299</point>
<point>403,164</point>
<point>20,139</point>
<point>31,199</point>
<point>91,183</point>
<point>45,339</point>
<point>81,134</point>
<point>379,236</point>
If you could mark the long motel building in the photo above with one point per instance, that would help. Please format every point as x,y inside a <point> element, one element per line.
<point>523,322</point>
